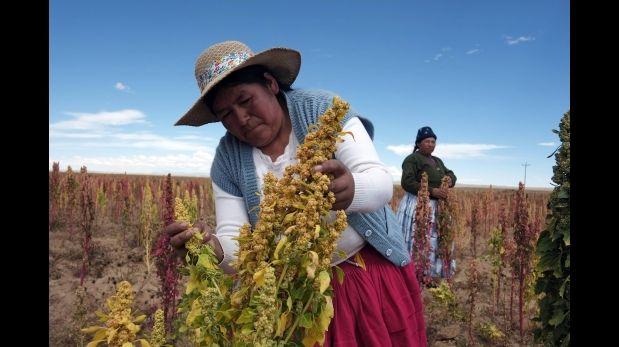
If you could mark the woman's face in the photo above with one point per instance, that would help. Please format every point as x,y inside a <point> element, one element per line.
<point>426,146</point>
<point>251,111</point>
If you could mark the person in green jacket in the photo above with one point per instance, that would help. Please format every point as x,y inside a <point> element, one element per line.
<point>422,160</point>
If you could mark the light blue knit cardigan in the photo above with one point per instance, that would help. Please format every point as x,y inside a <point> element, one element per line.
<point>233,171</point>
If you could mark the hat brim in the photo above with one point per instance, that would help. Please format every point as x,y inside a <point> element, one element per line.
<point>284,64</point>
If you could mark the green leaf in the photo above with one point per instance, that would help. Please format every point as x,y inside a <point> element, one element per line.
<point>563,285</point>
<point>339,273</point>
<point>279,246</point>
<point>544,243</point>
<point>94,343</point>
<point>91,330</point>
<point>193,283</point>
<point>102,316</point>
<point>566,238</point>
<point>100,335</point>
<point>206,261</point>
<point>247,316</point>
<point>139,319</point>
<point>359,260</point>
<point>566,341</point>
<point>324,280</point>
<point>326,314</point>
<point>289,303</point>
<point>247,329</point>
<point>281,324</point>
<point>549,261</point>
<point>196,310</point>
<point>306,321</point>
<point>557,318</point>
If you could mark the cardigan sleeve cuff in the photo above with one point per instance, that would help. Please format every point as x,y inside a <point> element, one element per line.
<point>373,190</point>
<point>229,247</point>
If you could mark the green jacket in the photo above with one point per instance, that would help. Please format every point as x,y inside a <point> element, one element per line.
<point>415,164</point>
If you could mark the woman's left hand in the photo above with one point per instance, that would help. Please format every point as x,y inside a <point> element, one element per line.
<point>342,184</point>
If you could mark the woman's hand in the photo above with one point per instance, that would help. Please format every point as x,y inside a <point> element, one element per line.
<point>180,233</point>
<point>438,193</point>
<point>342,184</point>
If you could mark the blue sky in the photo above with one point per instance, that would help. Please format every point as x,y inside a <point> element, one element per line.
<point>490,77</point>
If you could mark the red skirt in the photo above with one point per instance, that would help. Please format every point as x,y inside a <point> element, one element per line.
<point>379,306</point>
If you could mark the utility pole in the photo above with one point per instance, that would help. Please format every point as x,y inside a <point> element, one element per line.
<point>525,172</point>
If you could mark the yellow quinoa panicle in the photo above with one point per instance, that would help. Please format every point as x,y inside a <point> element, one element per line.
<point>281,292</point>
<point>158,335</point>
<point>121,328</point>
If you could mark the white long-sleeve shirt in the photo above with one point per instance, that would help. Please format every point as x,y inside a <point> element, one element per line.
<point>373,189</point>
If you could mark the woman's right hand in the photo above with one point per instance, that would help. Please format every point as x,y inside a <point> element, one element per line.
<point>438,193</point>
<point>180,233</point>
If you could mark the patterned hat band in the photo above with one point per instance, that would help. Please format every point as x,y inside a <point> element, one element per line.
<point>227,62</point>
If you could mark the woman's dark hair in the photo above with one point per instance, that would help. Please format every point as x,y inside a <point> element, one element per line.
<point>250,74</point>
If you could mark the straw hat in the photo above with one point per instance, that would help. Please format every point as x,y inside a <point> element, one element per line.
<point>221,59</point>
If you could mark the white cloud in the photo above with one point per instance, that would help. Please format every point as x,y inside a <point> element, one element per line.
<point>90,121</point>
<point>514,41</point>
<point>547,144</point>
<point>192,137</point>
<point>446,49</point>
<point>134,140</point>
<point>123,87</point>
<point>195,164</point>
<point>472,51</point>
<point>70,135</point>
<point>438,56</point>
<point>450,150</point>
<point>401,149</point>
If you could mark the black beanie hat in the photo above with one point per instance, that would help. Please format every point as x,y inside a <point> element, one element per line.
<point>369,127</point>
<point>424,133</point>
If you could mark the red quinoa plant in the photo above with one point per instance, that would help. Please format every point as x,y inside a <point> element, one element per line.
<point>422,226</point>
<point>54,194</point>
<point>446,226</point>
<point>87,217</point>
<point>166,261</point>
<point>523,238</point>
<point>475,224</point>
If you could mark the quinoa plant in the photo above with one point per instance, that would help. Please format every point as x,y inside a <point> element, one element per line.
<point>166,261</point>
<point>149,223</point>
<point>490,332</point>
<point>282,293</point>
<point>421,232</point>
<point>121,327</point>
<point>444,299</point>
<point>446,218</point>
<point>87,217</point>
<point>54,194</point>
<point>495,256</point>
<point>553,249</point>
<point>523,238</point>
<point>71,202</point>
<point>475,224</point>
<point>473,279</point>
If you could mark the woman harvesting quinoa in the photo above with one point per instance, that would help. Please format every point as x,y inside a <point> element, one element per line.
<point>378,302</point>
<point>419,162</point>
